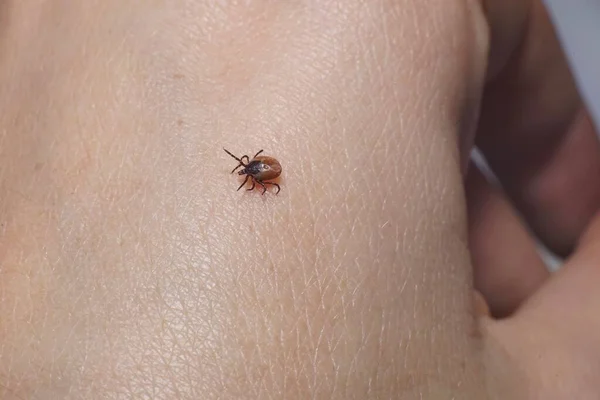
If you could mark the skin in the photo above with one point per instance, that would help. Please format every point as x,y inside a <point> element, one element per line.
<point>131,268</point>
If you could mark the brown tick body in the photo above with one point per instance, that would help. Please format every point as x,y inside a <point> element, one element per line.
<point>259,169</point>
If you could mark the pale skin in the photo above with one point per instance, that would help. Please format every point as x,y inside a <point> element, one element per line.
<point>130,267</point>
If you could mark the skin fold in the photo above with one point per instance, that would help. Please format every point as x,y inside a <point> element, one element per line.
<point>131,268</point>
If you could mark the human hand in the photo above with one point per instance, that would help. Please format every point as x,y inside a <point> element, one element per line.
<point>541,144</point>
<point>130,267</point>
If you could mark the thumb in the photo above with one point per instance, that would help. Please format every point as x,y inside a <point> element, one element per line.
<point>555,336</point>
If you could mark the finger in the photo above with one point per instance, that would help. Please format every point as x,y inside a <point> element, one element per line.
<point>548,170</point>
<point>561,198</point>
<point>558,191</point>
<point>561,321</point>
<point>507,21</point>
<point>507,267</point>
<point>552,340</point>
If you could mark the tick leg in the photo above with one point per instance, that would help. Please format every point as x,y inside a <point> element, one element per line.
<point>241,160</point>
<point>253,184</point>
<point>245,180</point>
<point>274,184</point>
<point>263,185</point>
<point>257,154</point>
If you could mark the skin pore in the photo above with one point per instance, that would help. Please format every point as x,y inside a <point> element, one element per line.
<point>131,268</point>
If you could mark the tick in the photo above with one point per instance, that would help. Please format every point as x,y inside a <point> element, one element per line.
<point>259,170</point>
